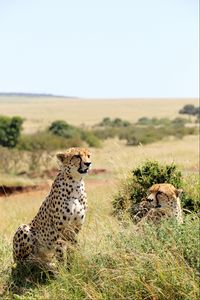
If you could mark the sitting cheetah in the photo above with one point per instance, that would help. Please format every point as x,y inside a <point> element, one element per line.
<point>163,201</point>
<point>60,216</point>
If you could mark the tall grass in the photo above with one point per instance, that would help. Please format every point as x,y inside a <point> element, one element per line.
<point>148,263</point>
<point>113,261</point>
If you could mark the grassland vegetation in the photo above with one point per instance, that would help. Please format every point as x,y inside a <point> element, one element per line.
<point>115,259</point>
<point>145,131</point>
<point>10,130</point>
<point>135,188</point>
<point>190,109</point>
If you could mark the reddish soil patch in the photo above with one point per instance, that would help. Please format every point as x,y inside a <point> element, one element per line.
<point>97,171</point>
<point>10,190</point>
<point>53,172</point>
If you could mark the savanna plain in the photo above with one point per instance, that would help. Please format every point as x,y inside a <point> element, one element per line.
<point>115,259</point>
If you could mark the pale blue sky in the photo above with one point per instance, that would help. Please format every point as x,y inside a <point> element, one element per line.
<point>100,48</point>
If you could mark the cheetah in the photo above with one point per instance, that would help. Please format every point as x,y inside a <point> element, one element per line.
<point>162,202</point>
<point>61,214</point>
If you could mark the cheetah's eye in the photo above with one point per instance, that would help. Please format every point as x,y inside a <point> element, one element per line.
<point>160,193</point>
<point>88,156</point>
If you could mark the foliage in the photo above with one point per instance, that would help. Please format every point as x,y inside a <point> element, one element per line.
<point>145,121</point>
<point>90,138</point>
<point>190,109</point>
<point>146,135</point>
<point>18,162</point>
<point>153,263</point>
<point>180,122</point>
<point>10,129</point>
<point>117,122</point>
<point>46,141</point>
<point>146,130</point>
<point>63,129</point>
<point>153,121</point>
<point>134,189</point>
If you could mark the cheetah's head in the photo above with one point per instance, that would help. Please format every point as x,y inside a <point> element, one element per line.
<point>163,195</point>
<point>75,160</point>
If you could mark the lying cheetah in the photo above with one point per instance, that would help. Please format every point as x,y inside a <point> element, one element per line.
<point>60,216</point>
<point>162,202</point>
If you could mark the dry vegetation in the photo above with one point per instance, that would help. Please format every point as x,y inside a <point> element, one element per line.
<point>114,261</point>
<point>40,112</point>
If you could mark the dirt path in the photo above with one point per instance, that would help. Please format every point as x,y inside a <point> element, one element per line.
<point>8,191</point>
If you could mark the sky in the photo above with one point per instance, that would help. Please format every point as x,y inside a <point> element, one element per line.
<point>100,48</point>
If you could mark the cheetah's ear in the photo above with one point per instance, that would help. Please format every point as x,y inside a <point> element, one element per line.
<point>179,192</point>
<point>61,157</point>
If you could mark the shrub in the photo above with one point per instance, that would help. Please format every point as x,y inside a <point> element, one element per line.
<point>105,133</point>
<point>153,121</point>
<point>105,122</point>
<point>10,129</point>
<point>46,141</point>
<point>11,160</point>
<point>190,109</point>
<point>179,122</point>
<point>136,135</point>
<point>63,129</point>
<point>91,139</point>
<point>134,189</point>
<point>117,122</point>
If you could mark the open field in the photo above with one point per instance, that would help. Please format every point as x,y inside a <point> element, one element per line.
<point>40,112</point>
<point>114,260</point>
<point>116,156</point>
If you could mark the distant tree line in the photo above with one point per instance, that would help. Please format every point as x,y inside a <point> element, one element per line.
<point>61,135</point>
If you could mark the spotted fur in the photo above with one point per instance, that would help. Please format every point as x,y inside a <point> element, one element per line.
<point>162,202</point>
<point>60,216</point>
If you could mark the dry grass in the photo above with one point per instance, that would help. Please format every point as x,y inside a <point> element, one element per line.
<point>114,262</point>
<point>40,112</point>
<point>118,157</point>
<point>119,160</point>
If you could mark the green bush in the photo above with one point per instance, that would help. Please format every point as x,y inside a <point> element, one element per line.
<point>105,133</point>
<point>145,121</point>
<point>137,135</point>
<point>190,109</point>
<point>46,141</point>
<point>153,121</point>
<point>134,189</point>
<point>63,129</point>
<point>180,122</point>
<point>10,130</point>
<point>91,139</point>
<point>117,122</point>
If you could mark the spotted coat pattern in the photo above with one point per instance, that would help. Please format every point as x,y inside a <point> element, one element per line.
<point>59,219</point>
<point>162,202</point>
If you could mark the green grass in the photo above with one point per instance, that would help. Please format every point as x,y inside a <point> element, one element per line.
<point>114,260</point>
<point>149,263</point>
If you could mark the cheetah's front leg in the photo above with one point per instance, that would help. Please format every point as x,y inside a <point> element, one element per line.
<point>65,245</point>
